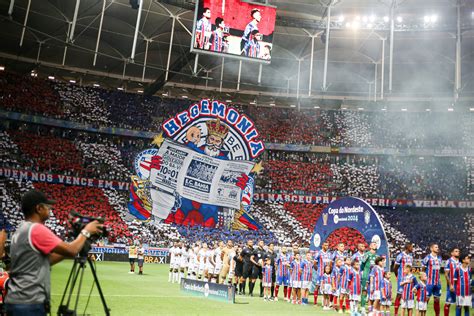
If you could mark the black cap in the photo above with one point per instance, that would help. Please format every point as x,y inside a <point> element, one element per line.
<point>32,198</point>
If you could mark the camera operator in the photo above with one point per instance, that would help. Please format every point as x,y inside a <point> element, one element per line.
<point>34,248</point>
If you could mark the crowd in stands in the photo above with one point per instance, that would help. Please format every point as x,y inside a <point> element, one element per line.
<point>423,226</point>
<point>27,94</point>
<point>88,202</point>
<point>347,128</point>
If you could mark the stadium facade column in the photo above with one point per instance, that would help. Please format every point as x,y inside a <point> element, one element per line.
<point>458,78</point>
<point>222,75</point>
<point>137,27</point>
<point>375,82</point>
<point>24,23</point>
<point>40,44</point>
<point>298,79</point>
<point>99,33</point>
<point>392,27</point>
<point>259,79</point>
<point>147,42</point>
<point>311,66</point>
<point>74,20</point>
<point>326,47</point>
<point>382,71</point>
<point>65,46</point>
<point>170,48</point>
<point>238,75</point>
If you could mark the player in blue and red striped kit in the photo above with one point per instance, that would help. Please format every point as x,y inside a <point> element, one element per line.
<point>267,272</point>
<point>344,289</point>
<point>451,264</point>
<point>421,295</point>
<point>321,259</point>
<point>335,279</point>
<point>295,278</point>
<point>203,30</point>
<point>355,286</point>
<point>408,283</point>
<point>386,300</point>
<point>405,257</point>
<point>306,276</point>
<point>376,282</point>
<point>463,282</point>
<point>326,287</point>
<point>217,37</point>
<point>282,273</point>
<point>432,264</point>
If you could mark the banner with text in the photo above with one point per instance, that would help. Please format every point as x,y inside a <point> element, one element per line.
<point>318,199</point>
<point>197,176</point>
<point>25,175</point>
<point>209,290</point>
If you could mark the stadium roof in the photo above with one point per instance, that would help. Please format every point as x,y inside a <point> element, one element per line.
<point>424,56</point>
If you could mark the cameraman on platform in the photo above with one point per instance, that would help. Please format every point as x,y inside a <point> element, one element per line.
<point>34,248</point>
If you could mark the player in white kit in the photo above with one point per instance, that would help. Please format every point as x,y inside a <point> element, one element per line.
<point>202,261</point>
<point>218,261</point>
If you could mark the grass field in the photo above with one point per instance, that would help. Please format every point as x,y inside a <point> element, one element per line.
<point>151,294</point>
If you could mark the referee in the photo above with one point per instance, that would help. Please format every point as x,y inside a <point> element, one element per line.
<point>257,264</point>
<point>247,253</point>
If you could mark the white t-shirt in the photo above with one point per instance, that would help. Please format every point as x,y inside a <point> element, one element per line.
<point>141,253</point>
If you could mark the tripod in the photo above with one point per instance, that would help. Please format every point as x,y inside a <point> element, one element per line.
<point>77,271</point>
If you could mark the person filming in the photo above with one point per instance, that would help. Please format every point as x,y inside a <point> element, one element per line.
<point>34,248</point>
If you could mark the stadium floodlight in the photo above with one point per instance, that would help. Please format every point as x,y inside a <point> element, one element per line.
<point>343,108</point>
<point>341,18</point>
<point>355,25</point>
<point>369,25</point>
<point>2,68</point>
<point>372,18</point>
<point>293,105</point>
<point>51,77</point>
<point>72,81</point>
<point>120,88</point>
<point>399,19</point>
<point>96,85</point>
<point>433,18</point>
<point>184,96</point>
<point>384,109</point>
<point>316,107</point>
<point>164,94</point>
<point>428,110</point>
<point>228,101</point>
<point>272,104</point>
<point>348,24</point>
<point>252,103</point>
<point>404,109</point>
<point>426,18</point>
<point>421,157</point>
<point>364,19</point>
<point>471,109</point>
<point>386,19</point>
<point>450,109</point>
<point>139,91</point>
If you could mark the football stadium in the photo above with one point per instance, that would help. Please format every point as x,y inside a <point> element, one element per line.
<point>237,157</point>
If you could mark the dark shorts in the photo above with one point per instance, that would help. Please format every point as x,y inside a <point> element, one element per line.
<point>239,271</point>
<point>247,270</point>
<point>131,260</point>
<point>256,272</point>
<point>25,309</point>
<point>140,262</point>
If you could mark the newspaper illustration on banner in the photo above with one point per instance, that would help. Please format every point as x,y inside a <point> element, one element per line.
<point>200,170</point>
<point>198,177</point>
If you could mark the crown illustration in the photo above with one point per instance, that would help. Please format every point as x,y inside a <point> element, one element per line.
<point>214,127</point>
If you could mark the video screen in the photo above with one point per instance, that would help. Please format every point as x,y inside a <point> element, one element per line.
<point>234,28</point>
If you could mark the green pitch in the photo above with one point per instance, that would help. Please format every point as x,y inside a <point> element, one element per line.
<point>151,294</point>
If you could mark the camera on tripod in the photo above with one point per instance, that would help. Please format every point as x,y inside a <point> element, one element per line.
<point>79,221</point>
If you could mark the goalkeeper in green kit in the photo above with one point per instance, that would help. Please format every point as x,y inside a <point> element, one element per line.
<point>368,261</point>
